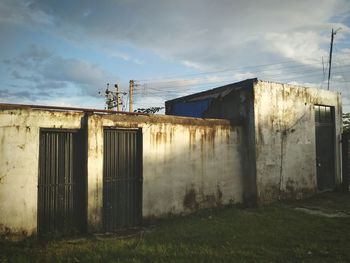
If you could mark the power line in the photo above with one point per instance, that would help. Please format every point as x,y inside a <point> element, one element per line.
<point>171,80</point>
<point>273,76</point>
<point>158,90</point>
<point>170,89</point>
<point>227,69</point>
<point>184,82</point>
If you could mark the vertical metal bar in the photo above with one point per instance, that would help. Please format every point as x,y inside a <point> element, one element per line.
<point>133,156</point>
<point>139,165</point>
<point>68,184</point>
<point>111,176</point>
<point>40,176</point>
<point>130,180</point>
<point>108,197</point>
<point>56,196</point>
<point>52,181</point>
<point>116,185</point>
<point>72,184</point>
<point>47,172</point>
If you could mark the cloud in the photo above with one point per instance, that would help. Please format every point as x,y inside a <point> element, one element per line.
<point>124,56</point>
<point>203,35</point>
<point>40,69</point>
<point>303,47</point>
<point>19,12</point>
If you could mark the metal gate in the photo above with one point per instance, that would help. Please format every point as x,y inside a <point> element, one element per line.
<point>122,179</point>
<point>325,137</point>
<point>62,182</point>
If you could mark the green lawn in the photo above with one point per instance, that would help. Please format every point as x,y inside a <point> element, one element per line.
<point>273,233</point>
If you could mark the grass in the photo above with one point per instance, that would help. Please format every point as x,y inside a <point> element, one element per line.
<point>272,233</point>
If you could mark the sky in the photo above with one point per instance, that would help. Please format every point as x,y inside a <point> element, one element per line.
<point>64,53</point>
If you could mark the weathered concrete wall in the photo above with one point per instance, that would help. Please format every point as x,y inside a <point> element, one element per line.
<point>188,163</point>
<point>238,106</point>
<point>19,162</point>
<point>285,138</point>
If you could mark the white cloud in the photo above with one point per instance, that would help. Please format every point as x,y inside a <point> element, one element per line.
<point>42,70</point>
<point>124,56</point>
<point>203,35</point>
<point>200,34</point>
<point>19,12</point>
<point>303,47</point>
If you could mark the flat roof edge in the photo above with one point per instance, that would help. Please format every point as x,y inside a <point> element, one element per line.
<point>7,106</point>
<point>161,118</point>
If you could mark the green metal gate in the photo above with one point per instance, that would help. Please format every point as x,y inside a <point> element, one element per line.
<point>325,138</point>
<point>122,179</point>
<point>62,182</point>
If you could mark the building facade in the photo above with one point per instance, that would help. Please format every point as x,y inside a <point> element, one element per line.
<point>81,170</point>
<point>292,133</point>
<point>66,170</point>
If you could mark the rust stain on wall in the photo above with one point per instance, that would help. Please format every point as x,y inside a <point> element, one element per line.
<point>171,134</point>
<point>192,138</point>
<point>227,137</point>
<point>160,137</point>
<point>207,138</point>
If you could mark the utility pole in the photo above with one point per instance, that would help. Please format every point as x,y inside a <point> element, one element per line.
<point>113,98</point>
<point>330,54</point>
<point>118,96</point>
<point>131,90</point>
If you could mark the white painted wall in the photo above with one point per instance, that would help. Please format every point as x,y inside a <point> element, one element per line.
<point>181,156</point>
<point>19,162</point>
<point>286,164</point>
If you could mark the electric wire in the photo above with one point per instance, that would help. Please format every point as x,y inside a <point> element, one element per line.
<point>167,87</point>
<point>227,69</point>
